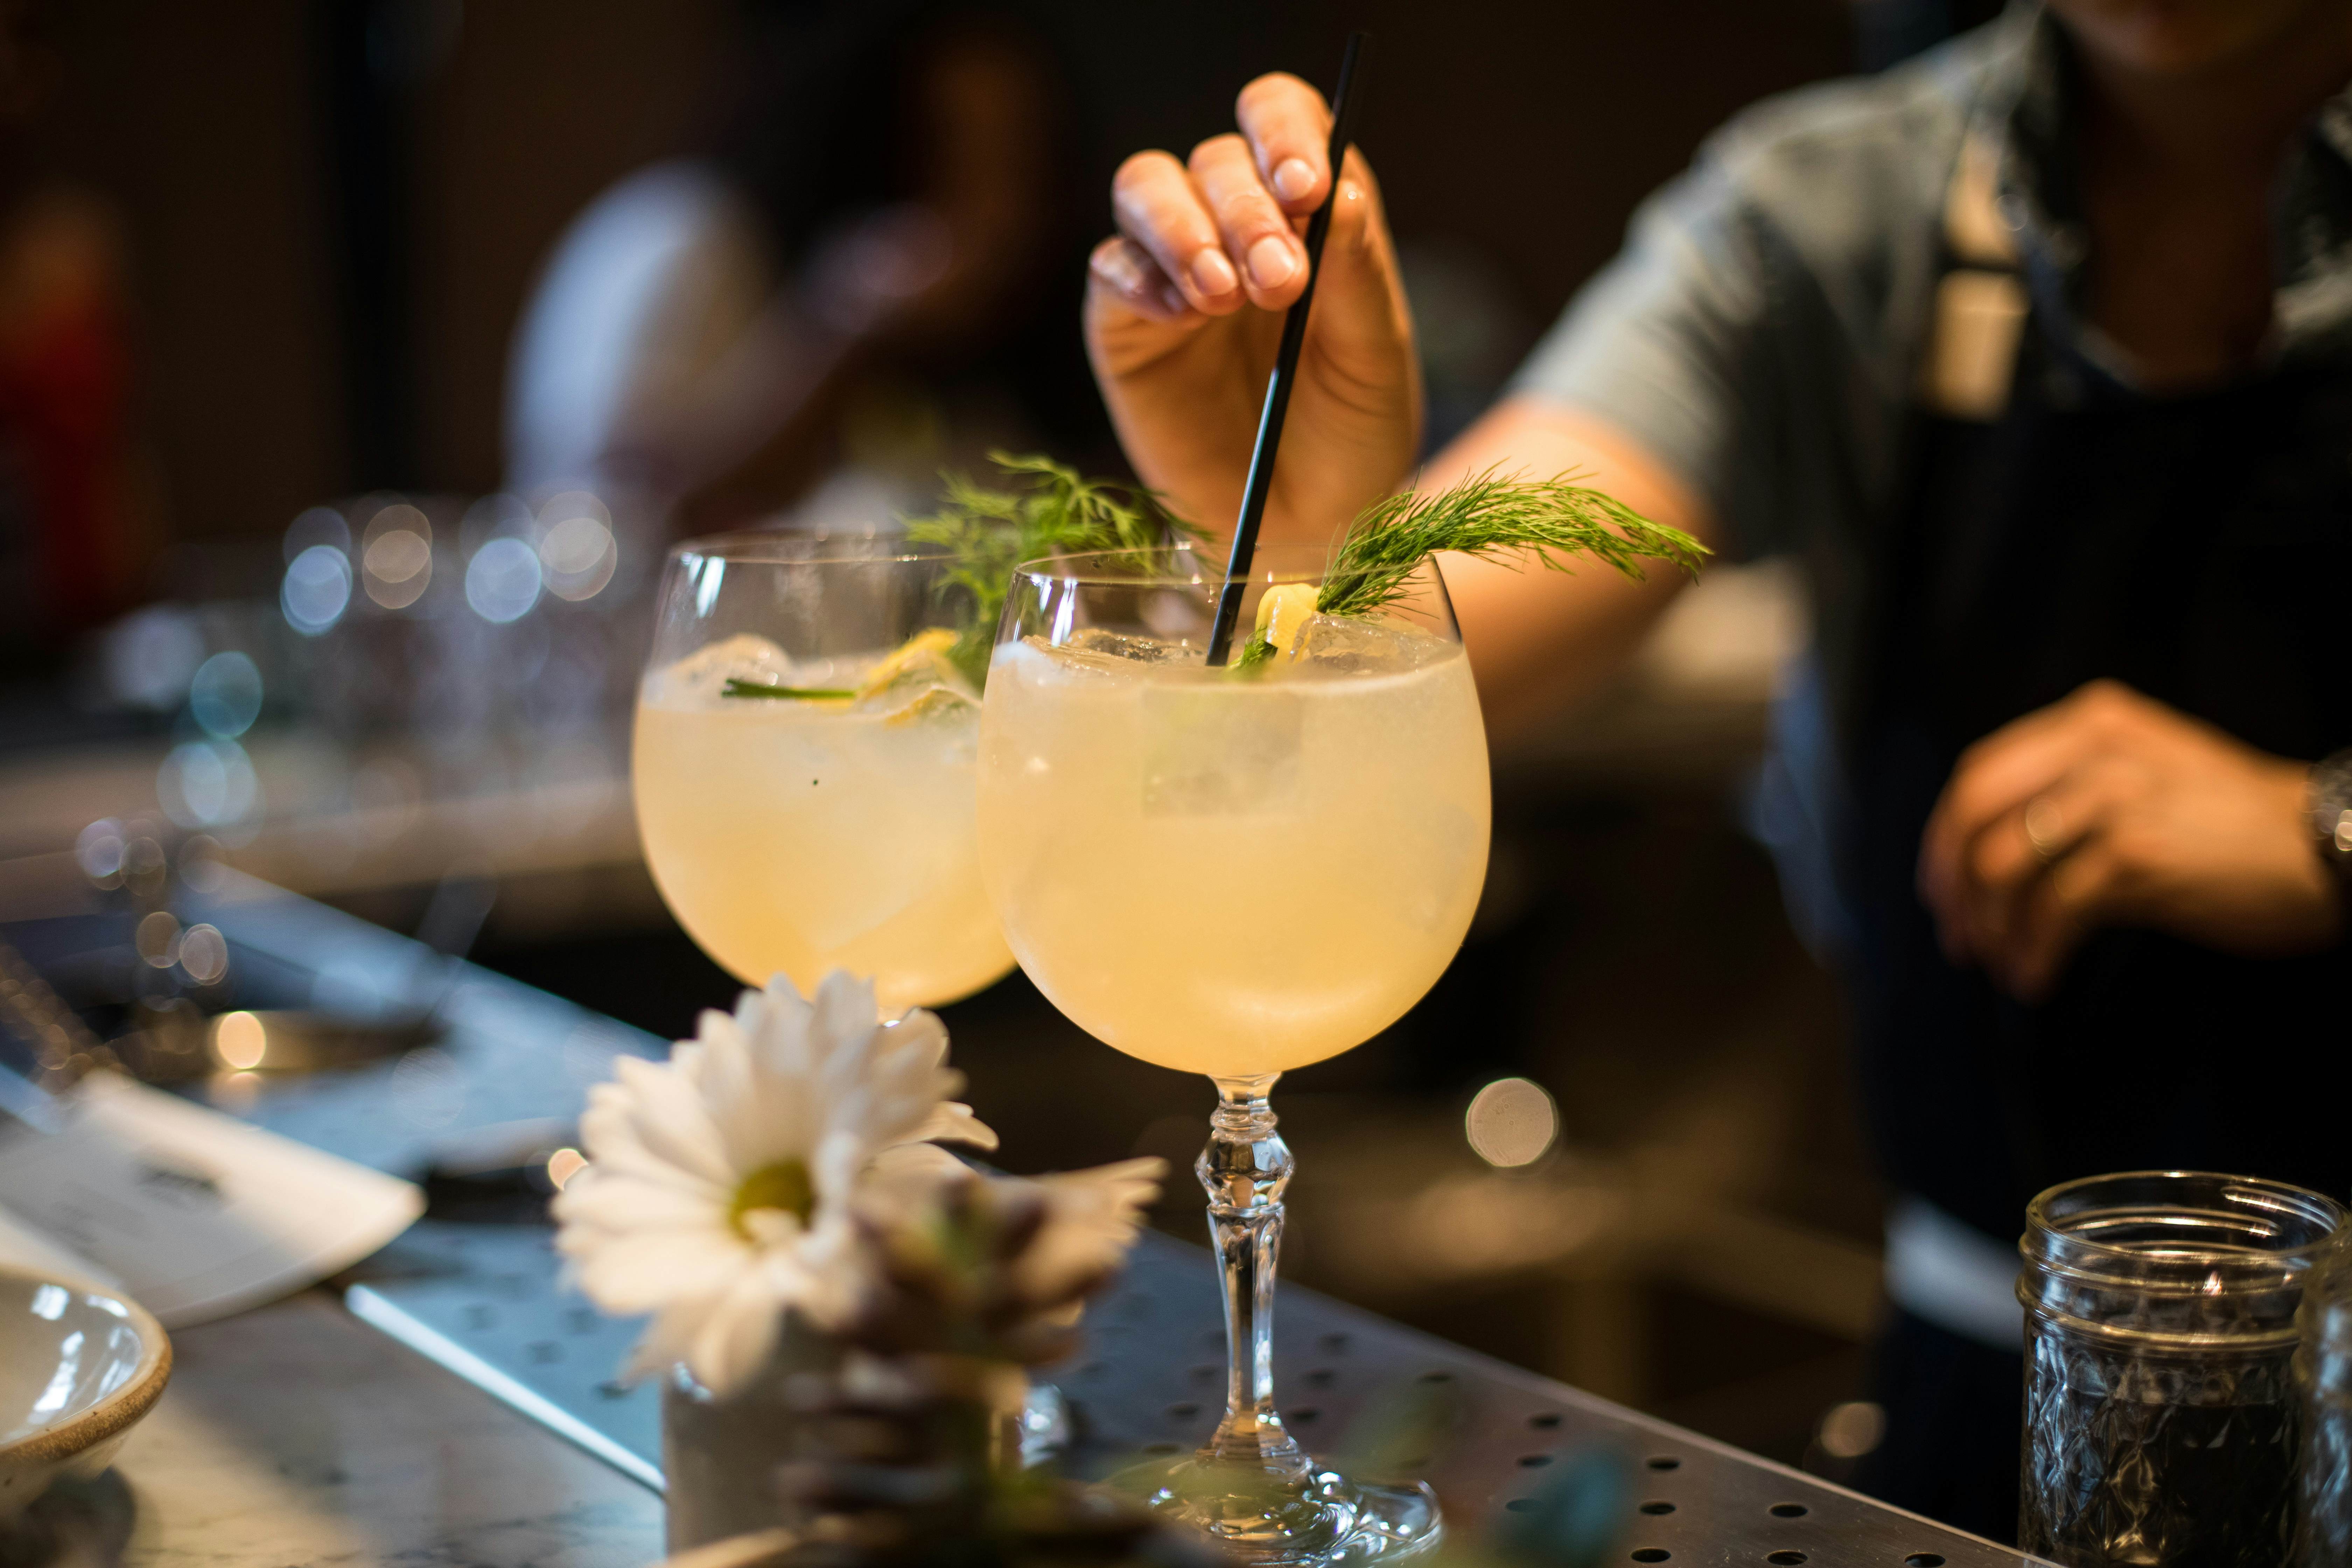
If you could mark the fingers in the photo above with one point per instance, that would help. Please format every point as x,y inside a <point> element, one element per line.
<point>2059,910</point>
<point>1124,271</point>
<point>1159,209</point>
<point>1256,231</point>
<point>2009,863</point>
<point>1288,129</point>
<point>1994,779</point>
<point>1360,275</point>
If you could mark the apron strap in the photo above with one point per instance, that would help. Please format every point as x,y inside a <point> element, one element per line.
<point>1980,301</point>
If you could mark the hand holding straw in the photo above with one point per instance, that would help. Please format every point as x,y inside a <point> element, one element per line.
<point>1285,372</point>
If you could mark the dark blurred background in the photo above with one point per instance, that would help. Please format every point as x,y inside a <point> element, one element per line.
<point>358,357</point>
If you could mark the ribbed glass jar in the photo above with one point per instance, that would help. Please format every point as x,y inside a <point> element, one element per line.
<point>2162,1423</point>
<point>2323,1371</point>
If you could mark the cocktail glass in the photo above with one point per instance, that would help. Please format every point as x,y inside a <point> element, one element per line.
<point>804,765</point>
<point>1235,872</point>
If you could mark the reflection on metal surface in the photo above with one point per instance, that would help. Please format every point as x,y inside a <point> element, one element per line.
<point>493,1308</point>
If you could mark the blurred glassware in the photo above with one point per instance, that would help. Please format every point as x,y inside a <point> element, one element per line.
<point>2162,1417</point>
<point>2323,1368</point>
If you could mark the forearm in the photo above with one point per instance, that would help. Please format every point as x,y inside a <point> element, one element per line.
<point>1539,640</point>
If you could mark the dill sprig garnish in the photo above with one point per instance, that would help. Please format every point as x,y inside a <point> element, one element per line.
<point>1497,516</point>
<point>1055,511</point>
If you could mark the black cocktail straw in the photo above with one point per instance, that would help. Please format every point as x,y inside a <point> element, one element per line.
<point>1285,370</point>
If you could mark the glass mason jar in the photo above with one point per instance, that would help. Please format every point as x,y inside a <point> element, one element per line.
<point>2162,1424</point>
<point>2323,1371</point>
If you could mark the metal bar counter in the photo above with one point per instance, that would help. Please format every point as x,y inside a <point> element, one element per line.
<point>305,1433</point>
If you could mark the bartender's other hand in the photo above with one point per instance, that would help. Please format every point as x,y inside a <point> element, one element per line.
<point>1185,310</point>
<point>2107,809</point>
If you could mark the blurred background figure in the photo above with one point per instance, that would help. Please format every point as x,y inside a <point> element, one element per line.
<point>847,281</point>
<point>74,533</point>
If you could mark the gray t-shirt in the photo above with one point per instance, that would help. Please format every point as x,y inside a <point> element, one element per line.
<point>1762,330</point>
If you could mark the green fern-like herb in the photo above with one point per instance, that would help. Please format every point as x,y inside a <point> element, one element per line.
<point>1492,515</point>
<point>1500,517</point>
<point>1054,511</point>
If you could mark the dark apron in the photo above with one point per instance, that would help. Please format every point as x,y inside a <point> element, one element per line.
<point>2198,549</point>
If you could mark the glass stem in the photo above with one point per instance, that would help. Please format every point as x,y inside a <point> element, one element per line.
<point>1246,1167</point>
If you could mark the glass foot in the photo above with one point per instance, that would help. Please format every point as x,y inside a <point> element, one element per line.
<point>1297,1514</point>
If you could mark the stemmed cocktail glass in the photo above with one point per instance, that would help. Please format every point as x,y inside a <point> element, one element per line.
<point>803,761</point>
<point>1235,872</point>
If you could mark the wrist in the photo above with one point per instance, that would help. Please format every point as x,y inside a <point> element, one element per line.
<point>2327,808</point>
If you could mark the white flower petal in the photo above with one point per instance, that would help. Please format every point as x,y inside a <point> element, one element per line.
<point>669,1120</point>
<point>738,1334</point>
<point>820,1080</point>
<point>647,1272</point>
<point>952,1121</point>
<point>907,1178</point>
<point>605,1199</point>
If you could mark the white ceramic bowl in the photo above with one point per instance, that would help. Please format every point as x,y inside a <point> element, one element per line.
<point>78,1367</point>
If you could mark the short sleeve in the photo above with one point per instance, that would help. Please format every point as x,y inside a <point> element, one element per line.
<point>1671,342</point>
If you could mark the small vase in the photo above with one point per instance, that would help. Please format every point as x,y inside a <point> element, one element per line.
<point>720,1456</point>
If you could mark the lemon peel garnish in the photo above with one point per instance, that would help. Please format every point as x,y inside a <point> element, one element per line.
<point>1284,609</point>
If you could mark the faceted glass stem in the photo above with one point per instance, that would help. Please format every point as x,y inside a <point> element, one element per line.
<point>1250,1486</point>
<point>1244,1168</point>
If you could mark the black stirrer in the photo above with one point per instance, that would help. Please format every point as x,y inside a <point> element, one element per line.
<point>1285,370</point>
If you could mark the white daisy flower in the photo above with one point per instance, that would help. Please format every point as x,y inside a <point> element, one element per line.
<point>720,1186</point>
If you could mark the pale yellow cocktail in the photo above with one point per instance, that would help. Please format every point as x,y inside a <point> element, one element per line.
<point>1234,874</point>
<point>806,835</point>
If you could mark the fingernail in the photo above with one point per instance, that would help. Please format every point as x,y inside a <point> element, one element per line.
<point>1116,268</point>
<point>1212,274</point>
<point>1271,263</point>
<point>1293,179</point>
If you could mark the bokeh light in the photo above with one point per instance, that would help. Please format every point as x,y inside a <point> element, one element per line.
<point>225,698</point>
<point>576,547</point>
<point>494,516</point>
<point>320,525</point>
<point>240,1041</point>
<point>396,556</point>
<point>151,654</point>
<point>502,580</point>
<point>203,953</point>
<point>1511,1123</point>
<point>316,590</point>
<point>207,783</point>
<point>157,939</point>
<point>99,852</point>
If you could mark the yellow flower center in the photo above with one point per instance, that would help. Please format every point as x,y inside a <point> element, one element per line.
<point>784,1185</point>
